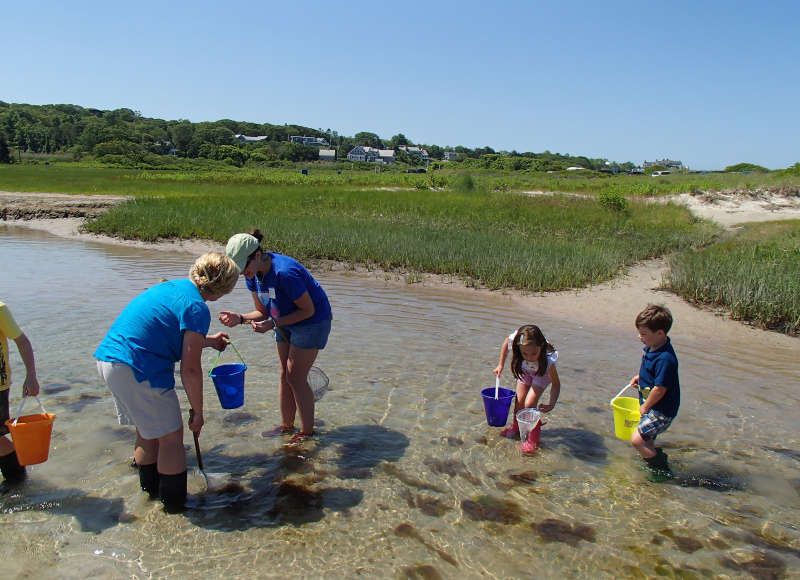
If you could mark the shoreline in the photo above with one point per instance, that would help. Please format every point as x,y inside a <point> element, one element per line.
<point>615,300</point>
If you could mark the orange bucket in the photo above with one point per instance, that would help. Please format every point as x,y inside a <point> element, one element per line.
<point>31,436</point>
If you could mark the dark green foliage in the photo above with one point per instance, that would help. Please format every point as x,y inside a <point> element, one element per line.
<point>613,200</point>
<point>746,167</point>
<point>5,156</point>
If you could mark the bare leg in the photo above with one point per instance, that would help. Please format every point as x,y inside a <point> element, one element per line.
<point>298,366</point>
<point>286,401</point>
<point>171,456</point>
<point>145,451</point>
<point>646,449</point>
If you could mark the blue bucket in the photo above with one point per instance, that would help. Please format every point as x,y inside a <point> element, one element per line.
<point>497,409</point>
<point>229,383</point>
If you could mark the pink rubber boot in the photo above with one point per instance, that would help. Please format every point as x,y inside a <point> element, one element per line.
<point>512,431</point>
<point>531,444</point>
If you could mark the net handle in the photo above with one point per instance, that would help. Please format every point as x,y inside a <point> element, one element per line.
<point>22,403</point>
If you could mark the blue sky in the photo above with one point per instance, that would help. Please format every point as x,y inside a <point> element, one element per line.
<point>710,83</point>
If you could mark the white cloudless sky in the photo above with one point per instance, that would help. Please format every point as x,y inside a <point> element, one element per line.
<point>711,83</point>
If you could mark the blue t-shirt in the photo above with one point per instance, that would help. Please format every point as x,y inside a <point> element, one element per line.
<point>148,333</point>
<point>659,368</point>
<point>286,281</point>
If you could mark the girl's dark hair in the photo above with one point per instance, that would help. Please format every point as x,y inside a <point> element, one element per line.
<point>529,334</point>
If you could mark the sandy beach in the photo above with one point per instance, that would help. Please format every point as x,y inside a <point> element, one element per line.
<point>64,214</point>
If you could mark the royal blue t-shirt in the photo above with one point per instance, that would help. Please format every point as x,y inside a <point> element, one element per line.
<point>148,333</point>
<point>659,368</point>
<point>286,281</point>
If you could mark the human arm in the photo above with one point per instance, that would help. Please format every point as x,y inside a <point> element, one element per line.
<point>229,318</point>
<point>192,376</point>
<point>304,311</point>
<point>656,394</point>
<point>30,388</point>
<point>555,390</point>
<point>503,355</point>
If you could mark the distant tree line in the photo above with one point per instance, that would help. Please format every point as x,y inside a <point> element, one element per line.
<point>124,136</point>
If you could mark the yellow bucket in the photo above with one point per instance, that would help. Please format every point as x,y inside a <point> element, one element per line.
<point>626,416</point>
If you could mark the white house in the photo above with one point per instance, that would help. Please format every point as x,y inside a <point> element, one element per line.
<point>309,141</point>
<point>247,139</point>
<point>363,153</point>
<point>386,156</point>
<point>450,155</point>
<point>418,151</point>
<point>327,154</point>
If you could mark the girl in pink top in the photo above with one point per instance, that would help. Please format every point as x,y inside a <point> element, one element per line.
<point>533,364</point>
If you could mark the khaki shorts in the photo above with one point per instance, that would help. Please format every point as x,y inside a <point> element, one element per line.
<point>154,412</point>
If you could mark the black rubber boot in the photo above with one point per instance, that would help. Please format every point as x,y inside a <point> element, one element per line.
<point>148,479</point>
<point>13,472</point>
<point>659,468</point>
<point>172,489</point>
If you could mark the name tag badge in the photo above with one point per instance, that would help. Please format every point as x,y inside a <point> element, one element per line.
<point>271,292</point>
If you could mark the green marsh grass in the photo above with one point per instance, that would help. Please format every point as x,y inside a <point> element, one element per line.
<point>755,274</point>
<point>501,240</point>
<point>88,178</point>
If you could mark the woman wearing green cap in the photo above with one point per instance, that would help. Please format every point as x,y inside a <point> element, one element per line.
<point>289,300</point>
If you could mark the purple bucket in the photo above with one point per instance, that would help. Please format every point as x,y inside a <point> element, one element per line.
<point>497,409</point>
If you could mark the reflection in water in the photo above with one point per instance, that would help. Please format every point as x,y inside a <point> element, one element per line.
<point>404,479</point>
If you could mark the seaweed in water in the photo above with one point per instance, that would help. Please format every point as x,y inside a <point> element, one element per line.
<point>450,467</point>
<point>553,530</point>
<point>407,530</point>
<point>240,418</point>
<point>394,471</point>
<point>762,566</point>
<point>683,543</point>
<point>487,508</point>
<point>428,505</point>
<point>420,572</point>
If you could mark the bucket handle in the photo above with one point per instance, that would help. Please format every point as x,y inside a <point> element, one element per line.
<point>621,391</point>
<point>19,410</point>
<point>219,354</point>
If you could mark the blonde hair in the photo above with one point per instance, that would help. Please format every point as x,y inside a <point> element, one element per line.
<point>214,273</point>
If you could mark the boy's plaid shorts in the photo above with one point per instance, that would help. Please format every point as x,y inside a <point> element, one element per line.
<point>652,424</point>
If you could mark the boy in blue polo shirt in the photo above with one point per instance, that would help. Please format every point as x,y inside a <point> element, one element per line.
<point>659,388</point>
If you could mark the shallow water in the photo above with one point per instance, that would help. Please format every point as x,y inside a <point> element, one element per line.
<point>405,478</point>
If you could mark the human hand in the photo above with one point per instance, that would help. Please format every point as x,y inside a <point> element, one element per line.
<point>229,318</point>
<point>546,407</point>
<point>498,371</point>
<point>262,326</point>
<point>643,410</point>
<point>30,387</point>
<point>196,421</point>
<point>635,381</point>
<point>218,341</point>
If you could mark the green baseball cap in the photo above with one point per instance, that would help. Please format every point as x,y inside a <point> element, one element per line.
<point>239,249</point>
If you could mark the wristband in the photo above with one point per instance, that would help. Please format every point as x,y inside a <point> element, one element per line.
<point>243,321</point>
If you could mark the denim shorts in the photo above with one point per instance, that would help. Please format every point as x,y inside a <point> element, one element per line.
<point>314,335</point>
<point>652,424</point>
